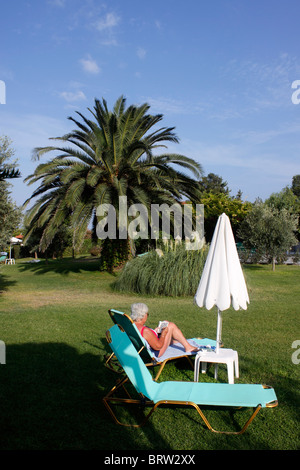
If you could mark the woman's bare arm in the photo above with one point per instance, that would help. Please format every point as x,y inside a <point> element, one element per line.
<point>155,342</point>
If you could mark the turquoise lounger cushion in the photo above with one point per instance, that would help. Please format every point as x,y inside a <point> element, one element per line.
<point>215,394</point>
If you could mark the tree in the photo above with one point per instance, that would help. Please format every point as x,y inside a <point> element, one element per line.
<point>107,156</point>
<point>268,230</point>
<point>61,240</point>
<point>213,183</point>
<point>217,203</point>
<point>10,214</point>
<point>296,191</point>
<point>7,169</point>
<point>286,199</point>
<point>296,186</point>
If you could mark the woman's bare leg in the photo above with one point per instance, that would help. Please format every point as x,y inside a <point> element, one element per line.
<point>174,333</point>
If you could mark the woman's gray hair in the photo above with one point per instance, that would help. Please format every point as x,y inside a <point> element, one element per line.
<point>138,311</point>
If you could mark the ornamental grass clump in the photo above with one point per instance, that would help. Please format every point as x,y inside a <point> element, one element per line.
<point>170,272</point>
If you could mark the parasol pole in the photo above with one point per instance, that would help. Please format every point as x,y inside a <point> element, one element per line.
<point>219,329</point>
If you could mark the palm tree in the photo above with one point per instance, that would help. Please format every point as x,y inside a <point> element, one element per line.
<point>107,156</point>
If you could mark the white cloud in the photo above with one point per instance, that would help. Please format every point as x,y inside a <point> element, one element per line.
<point>257,137</point>
<point>90,65</point>
<point>164,105</point>
<point>262,85</point>
<point>237,157</point>
<point>106,26</point>
<point>141,53</point>
<point>57,3</point>
<point>28,131</point>
<point>73,96</point>
<point>108,22</point>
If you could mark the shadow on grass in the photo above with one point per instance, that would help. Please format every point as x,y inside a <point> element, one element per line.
<point>285,386</point>
<point>5,282</point>
<point>254,267</point>
<point>63,266</point>
<point>51,399</point>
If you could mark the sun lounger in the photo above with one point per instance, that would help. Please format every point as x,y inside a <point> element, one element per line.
<point>149,356</point>
<point>173,393</point>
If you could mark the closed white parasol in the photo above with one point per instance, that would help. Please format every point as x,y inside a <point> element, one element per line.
<point>222,282</point>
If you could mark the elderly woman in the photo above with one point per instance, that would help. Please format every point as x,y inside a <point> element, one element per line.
<point>158,342</point>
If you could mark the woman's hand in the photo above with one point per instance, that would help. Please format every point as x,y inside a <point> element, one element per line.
<point>164,332</point>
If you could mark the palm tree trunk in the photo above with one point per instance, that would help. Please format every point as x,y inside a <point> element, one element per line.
<point>132,248</point>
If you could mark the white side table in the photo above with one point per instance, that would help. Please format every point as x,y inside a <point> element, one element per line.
<point>10,261</point>
<point>224,356</point>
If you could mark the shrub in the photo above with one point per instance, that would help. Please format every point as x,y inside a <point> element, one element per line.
<point>95,251</point>
<point>175,273</point>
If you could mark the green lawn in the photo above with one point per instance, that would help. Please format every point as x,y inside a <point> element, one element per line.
<point>53,322</point>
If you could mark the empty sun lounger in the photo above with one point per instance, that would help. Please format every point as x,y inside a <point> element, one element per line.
<point>149,356</point>
<point>174,393</point>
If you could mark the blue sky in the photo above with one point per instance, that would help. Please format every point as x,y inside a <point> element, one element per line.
<point>220,71</point>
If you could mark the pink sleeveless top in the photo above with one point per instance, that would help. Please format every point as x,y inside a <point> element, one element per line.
<point>142,330</point>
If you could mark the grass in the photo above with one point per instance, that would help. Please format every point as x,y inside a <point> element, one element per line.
<point>53,322</point>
